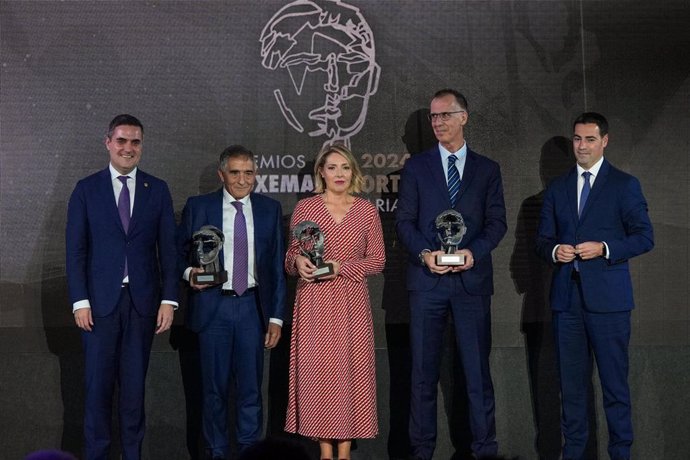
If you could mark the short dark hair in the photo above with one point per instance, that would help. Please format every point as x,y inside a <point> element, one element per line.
<point>124,119</point>
<point>234,151</point>
<point>462,101</point>
<point>596,118</point>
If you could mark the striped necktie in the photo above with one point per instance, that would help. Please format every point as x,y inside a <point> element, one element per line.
<point>453,180</point>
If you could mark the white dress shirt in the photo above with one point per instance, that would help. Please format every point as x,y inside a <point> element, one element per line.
<point>229,213</point>
<point>117,189</point>
<point>594,170</point>
<point>459,163</point>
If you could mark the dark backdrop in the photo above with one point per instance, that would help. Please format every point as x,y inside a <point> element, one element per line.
<point>193,73</point>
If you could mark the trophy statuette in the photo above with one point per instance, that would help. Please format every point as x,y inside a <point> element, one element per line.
<point>311,241</point>
<point>208,242</point>
<point>451,229</point>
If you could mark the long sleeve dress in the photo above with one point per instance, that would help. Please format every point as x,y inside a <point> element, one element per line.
<point>332,391</point>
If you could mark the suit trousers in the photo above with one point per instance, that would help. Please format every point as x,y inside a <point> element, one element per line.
<point>578,333</point>
<point>232,350</point>
<point>471,317</point>
<point>117,350</point>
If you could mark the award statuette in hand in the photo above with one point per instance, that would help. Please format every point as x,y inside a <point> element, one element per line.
<point>451,228</point>
<point>208,242</point>
<point>311,242</point>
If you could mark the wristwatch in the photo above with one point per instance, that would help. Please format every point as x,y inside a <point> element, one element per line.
<point>421,256</point>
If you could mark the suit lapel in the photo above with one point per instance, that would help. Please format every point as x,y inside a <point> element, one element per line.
<point>435,166</point>
<point>468,174</point>
<point>214,216</point>
<point>571,192</point>
<point>257,213</point>
<point>107,196</point>
<point>142,193</point>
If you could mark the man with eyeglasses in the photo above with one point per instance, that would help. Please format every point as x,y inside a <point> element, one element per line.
<point>450,176</point>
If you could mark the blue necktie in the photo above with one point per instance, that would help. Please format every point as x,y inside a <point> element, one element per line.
<point>123,206</point>
<point>453,180</point>
<point>586,188</point>
<point>240,254</point>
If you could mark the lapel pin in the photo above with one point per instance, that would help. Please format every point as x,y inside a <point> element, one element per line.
<point>146,184</point>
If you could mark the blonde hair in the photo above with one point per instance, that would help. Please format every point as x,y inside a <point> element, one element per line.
<point>340,149</point>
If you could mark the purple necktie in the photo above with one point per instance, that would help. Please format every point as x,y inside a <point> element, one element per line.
<point>123,209</point>
<point>240,258</point>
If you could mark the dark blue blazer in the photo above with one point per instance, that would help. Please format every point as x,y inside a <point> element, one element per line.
<point>269,253</point>
<point>97,245</point>
<point>423,195</point>
<point>616,213</point>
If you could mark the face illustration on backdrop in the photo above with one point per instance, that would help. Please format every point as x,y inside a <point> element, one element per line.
<point>326,51</point>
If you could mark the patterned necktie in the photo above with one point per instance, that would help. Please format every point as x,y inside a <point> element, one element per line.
<point>585,192</point>
<point>240,255</point>
<point>453,180</point>
<point>123,206</point>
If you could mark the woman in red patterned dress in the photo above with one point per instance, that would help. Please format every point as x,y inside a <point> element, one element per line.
<point>332,371</point>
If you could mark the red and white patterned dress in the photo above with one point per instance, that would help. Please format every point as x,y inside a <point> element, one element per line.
<point>332,368</point>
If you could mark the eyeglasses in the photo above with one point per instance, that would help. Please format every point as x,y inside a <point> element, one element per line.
<point>444,116</point>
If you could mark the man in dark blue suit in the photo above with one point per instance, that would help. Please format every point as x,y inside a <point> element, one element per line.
<point>463,291</point>
<point>238,319</point>
<point>120,241</point>
<point>593,221</point>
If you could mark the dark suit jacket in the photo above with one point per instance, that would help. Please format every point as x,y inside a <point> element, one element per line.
<point>269,253</point>
<point>423,195</point>
<point>616,213</point>
<point>97,245</point>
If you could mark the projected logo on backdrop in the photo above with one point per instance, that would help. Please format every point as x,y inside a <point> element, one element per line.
<point>327,49</point>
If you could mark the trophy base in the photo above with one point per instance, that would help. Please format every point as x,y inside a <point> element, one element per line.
<point>450,260</point>
<point>322,270</point>
<point>210,279</point>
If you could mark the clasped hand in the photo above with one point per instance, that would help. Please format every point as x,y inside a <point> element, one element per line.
<point>585,251</point>
<point>198,287</point>
<point>306,269</point>
<point>430,262</point>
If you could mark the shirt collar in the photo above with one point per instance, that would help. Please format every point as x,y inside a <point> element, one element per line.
<point>446,153</point>
<point>114,174</point>
<point>229,198</point>
<point>594,169</point>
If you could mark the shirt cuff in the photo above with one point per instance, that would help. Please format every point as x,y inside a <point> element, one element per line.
<point>606,253</point>
<point>553,253</point>
<point>174,304</point>
<point>277,321</point>
<point>81,304</point>
<point>185,275</point>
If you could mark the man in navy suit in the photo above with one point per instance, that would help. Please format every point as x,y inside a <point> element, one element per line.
<point>121,272</point>
<point>463,291</point>
<point>238,319</point>
<point>593,221</point>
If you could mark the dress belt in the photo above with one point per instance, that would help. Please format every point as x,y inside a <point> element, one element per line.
<point>232,293</point>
